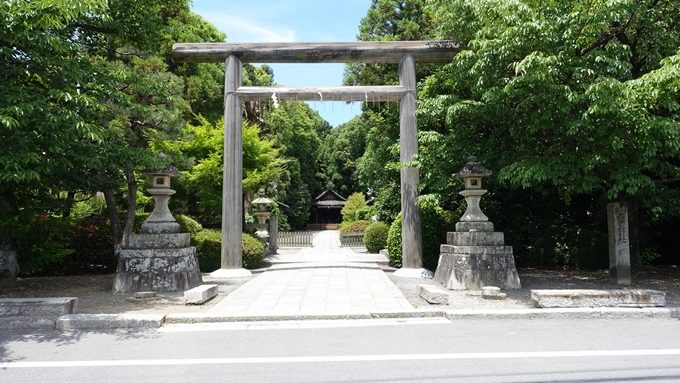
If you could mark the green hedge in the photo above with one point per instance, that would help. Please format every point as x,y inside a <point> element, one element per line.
<point>188,224</point>
<point>208,250</point>
<point>354,227</point>
<point>394,242</point>
<point>435,224</point>
<point>375,236</point>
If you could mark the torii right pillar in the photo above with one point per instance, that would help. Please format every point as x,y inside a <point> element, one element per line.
<point>412,246</point>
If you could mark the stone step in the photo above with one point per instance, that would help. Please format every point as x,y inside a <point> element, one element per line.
<point>200,294</point>
<point>37,307</point>
<point>433,294</point>
<point>159,241</point>
<point>598,298</point>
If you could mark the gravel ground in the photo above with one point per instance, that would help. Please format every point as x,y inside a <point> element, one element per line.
<point>95,296</point>
<point>663,278</point>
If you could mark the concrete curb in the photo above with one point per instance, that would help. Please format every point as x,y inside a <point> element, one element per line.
<point>567,313</point>
<point>26,323</point>
<point>109,321</point>
<point>153,321</point>
<point>213,318</point>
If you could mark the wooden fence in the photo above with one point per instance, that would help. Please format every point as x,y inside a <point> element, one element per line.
<point>352,239</point>
<point>295,238</point>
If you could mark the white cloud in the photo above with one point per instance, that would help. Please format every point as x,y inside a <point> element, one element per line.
<point>239,29</point>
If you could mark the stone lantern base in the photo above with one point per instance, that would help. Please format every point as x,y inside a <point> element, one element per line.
<point>159,259</point>
<point>475,256</point>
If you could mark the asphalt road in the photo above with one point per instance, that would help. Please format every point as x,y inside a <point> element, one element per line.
<point>433,350</point>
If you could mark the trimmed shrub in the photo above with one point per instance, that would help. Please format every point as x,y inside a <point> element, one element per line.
<point>188,224</point>
<point>375,236</point>
<point>354,227</point>
<point>394,242</point>
<point>434,228</point>
<point>253,251</point>
<point>209,244</point>
<point>208,249</point>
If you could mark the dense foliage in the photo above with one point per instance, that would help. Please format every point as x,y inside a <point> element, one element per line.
<point>435,224</point>
<point>572,104</point>
<point>91,95</point>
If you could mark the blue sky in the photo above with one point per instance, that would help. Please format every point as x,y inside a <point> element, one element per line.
<point>288,21</point>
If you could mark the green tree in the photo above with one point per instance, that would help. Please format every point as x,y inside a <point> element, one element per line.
<point>43,114</point>
<point>339,152</point>
<point>577,98</point>
<point>201,146</point>
<point>378,168</point>
<point>295,130</point>
<point>354,202</point>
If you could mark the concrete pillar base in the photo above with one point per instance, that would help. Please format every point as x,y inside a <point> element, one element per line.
<point>406,272</point>
<point>230,273</point>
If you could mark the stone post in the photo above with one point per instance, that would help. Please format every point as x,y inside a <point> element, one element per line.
<point>619,244</point>
<point>273,232</point>
<point>9,266</point>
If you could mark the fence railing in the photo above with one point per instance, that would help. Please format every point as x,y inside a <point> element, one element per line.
<point>352,239</point>
<point>295,238</point>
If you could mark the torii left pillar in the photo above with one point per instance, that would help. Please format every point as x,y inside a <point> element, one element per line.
<point>232,177</point>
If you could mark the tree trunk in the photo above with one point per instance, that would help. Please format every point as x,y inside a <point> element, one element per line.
<point>113,216</point>
<point>132,204</point>
<point>68,203</point>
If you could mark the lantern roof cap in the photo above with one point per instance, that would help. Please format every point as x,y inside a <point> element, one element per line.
<point>169,170</point>
<point>473,169</point>
<point>261,201</point>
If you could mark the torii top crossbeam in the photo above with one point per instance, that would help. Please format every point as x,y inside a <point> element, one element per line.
<point>335,52</point>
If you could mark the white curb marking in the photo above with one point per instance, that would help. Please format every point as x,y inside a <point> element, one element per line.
<point>338,358</point>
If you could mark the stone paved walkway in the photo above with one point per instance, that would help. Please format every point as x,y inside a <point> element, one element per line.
<point>325,279</point>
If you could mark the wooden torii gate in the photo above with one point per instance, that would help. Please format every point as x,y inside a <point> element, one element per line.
<point>403,52</point>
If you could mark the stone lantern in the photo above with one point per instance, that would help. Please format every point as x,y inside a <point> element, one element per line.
<point>160,258</point>
<point>262,214</point>
<point>472,173</point>
<point>161,220</point>
<point>474,255</point>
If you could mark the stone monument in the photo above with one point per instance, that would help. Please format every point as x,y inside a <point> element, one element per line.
<point>9,266</point>
<point>619,244</point>
<point>475,255</point>
<point>160,258</point>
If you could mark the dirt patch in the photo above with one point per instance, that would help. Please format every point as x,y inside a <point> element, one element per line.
<point>663,278</point>
<point>95,296</point>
